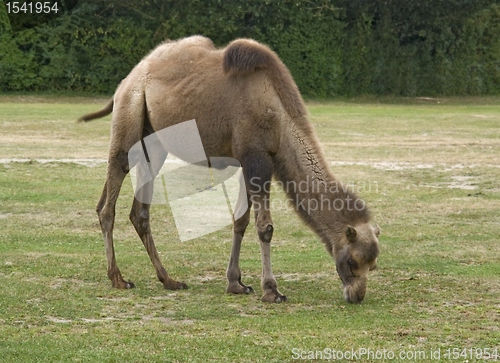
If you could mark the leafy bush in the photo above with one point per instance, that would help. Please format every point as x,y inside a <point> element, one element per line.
<point>338,47</point>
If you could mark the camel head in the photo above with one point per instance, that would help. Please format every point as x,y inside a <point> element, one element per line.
<point>355,256</point>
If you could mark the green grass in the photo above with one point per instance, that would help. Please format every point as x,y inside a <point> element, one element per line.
<point>434,172</point>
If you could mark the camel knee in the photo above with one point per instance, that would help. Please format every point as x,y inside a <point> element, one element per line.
<point>264,225</point>
<point>266,234</point>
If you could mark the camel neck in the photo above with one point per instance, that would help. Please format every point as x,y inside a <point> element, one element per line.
<point>317,196</point>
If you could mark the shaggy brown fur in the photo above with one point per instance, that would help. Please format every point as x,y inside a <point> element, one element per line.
<point>246,106</point>
<point>245,56</point>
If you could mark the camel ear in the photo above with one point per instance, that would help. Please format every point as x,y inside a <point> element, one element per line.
<point>377,231</point>
<point>351,234</point>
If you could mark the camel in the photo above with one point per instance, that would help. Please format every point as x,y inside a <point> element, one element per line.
<point>246,106</point>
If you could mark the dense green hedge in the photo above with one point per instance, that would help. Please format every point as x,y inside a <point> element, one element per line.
<point>338,47</point>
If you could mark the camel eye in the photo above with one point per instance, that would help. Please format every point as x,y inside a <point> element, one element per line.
<point>352,263</point>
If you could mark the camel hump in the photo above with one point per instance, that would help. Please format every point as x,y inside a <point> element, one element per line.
<point>243,56</point>
<point>246,55</point>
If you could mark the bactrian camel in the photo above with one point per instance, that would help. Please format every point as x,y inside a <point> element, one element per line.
<point>247,107</point>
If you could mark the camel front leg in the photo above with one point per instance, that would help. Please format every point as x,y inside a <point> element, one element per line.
<point>265,230</point>
<point>258,170</point>
<point>233,272</point>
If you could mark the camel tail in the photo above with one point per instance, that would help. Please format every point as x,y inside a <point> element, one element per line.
<point>244,56</point>
<point>106,110</point>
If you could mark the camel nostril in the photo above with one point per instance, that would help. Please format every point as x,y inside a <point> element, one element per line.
<point>361,293</point>
<point>359,299</point>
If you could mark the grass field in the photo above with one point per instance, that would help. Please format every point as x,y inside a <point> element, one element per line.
<point>429,170</point>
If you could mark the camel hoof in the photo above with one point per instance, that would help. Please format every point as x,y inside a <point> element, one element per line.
<point>176,286</point>
<point>239,289</point>
<point>122,284</point>
<point>280,299</point>
<point>273,298</point>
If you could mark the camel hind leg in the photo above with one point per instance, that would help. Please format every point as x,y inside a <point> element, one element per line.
<point>127,128</point>
<point>139,216</point>
<point>106,211</point>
